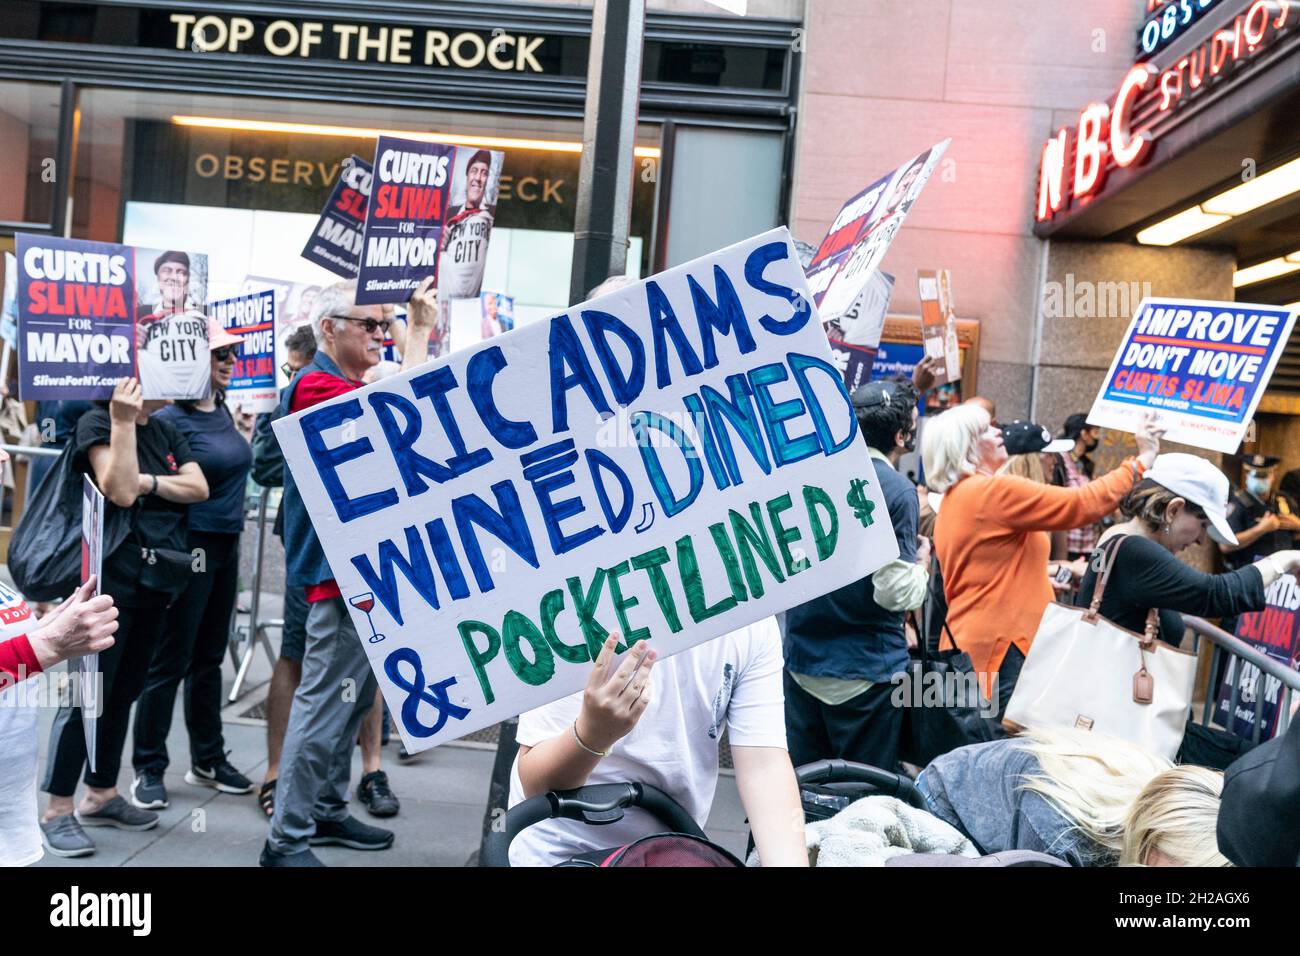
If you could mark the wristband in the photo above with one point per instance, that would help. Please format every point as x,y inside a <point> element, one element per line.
<point>594,753</point>
<point>154,489</point>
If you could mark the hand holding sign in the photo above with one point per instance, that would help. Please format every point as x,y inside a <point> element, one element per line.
<point>1148,436</point>
<point>83,624</point>
<point>127,401</point>
<point>613,703</point>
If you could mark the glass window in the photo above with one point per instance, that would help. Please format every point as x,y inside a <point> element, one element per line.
<point>247,179</point>
<point>29,134</point>
<point>726,187</point>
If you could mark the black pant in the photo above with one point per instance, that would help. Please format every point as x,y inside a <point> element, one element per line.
<point>123,667</point>
<point>192,649</point>
<point>1008,674</point>
<point>867,728</point>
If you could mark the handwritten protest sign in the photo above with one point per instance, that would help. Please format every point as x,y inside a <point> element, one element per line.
<point>252,318</point>
<point>671,461</point>
<point>1202,365</point>
<point>335,243</point>
<point>93,313</point>
<point>862,231</point>
<point>404,219</point>
<point>1274,631</point>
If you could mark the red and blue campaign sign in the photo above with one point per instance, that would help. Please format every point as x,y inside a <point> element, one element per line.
<point>1272,631</point>
<point>335,244</point>
<point>252,318</point>
<point>76,317</point>
<point>1202,365</point>
<point>404,220</point>
<point>861,233</point>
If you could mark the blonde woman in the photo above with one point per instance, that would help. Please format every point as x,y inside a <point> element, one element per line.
<point>1085,798</point>
<point>991,536</point>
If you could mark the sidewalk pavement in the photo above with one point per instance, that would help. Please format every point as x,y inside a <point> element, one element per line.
<point>443,793</point>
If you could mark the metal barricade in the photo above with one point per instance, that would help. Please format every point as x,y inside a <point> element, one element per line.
<point>1235,647</point>
<point>245,640</point>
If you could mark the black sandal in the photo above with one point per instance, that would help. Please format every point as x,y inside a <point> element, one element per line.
<point>266,798</point>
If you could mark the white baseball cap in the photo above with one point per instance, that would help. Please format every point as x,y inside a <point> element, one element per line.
<point>1200,483</point>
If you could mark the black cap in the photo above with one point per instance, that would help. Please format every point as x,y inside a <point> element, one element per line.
<point>874,393</point>
<point>1259,461</point>
<point>1074,426</point>
<point>171,256</point>
<point>1025,438</point>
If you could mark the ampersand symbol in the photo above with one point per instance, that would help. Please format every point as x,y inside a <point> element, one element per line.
<point>435,694</point>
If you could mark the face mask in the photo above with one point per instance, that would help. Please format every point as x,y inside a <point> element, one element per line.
<point>1091,446</point>
<point>1259,487</point>
<point>910,445</point>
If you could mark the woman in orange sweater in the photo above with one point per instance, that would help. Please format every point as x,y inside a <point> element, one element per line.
<point>992,535</point>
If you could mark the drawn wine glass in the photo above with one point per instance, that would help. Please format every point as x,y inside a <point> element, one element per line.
<point>365,603</point>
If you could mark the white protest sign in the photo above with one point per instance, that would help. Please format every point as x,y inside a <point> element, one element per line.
<point>671,461</point>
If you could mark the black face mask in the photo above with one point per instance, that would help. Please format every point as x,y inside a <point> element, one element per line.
<point>1091,446</point>
<point>910,445</point>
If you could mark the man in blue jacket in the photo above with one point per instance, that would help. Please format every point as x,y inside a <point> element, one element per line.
<point>842,649</point>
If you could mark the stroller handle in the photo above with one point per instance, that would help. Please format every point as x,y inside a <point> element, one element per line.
<point>847,771</point>
<point>595,805</point>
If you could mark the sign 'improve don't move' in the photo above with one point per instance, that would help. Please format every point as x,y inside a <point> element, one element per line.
<point>671,461</point>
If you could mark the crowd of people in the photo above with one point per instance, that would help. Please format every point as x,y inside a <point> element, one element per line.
<point>996,522</point>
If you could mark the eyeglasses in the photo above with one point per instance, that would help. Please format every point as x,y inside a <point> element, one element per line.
<point>368,324</point>
<point>226,353</point>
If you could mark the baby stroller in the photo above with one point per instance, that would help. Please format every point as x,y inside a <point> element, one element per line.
<point>682,844</point>
<point>828,786</point>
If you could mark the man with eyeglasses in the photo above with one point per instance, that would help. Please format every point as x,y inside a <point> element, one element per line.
<point>316,761</point>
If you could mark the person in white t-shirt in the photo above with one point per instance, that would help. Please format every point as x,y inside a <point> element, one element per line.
<point>659,722</point>
<point>82,624</point>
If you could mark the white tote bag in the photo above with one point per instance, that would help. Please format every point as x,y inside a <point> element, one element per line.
<point>1087,672</point>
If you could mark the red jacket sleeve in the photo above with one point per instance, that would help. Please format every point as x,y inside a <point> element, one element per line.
<point>317,387</point>
<point>17,660</point>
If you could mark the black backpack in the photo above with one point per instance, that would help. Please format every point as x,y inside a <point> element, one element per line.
<point>45,549</point>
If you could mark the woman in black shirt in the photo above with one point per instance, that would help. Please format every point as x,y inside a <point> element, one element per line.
<point>144,465</point>
<point>1181,499</point>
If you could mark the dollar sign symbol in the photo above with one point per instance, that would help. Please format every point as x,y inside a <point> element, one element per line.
<point>862,505</point>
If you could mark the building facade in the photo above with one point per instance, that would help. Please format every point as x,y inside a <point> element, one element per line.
<point>150,121</point>
<point>1052,227</point>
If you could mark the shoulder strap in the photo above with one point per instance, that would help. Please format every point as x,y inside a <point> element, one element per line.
<point>1109,550</point>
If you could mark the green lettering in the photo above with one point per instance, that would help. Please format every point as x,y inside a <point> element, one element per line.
<point>552,605</point>
<point>621,605</point>
<point>729,561</point>
<point>542,667</point>
<point>825,540</point>
<point>584,605</point>
<point>652,564</point>
<point>750,537</point>
<point>689,570</point>
<point>479,658</point>
<point>786,535</point>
